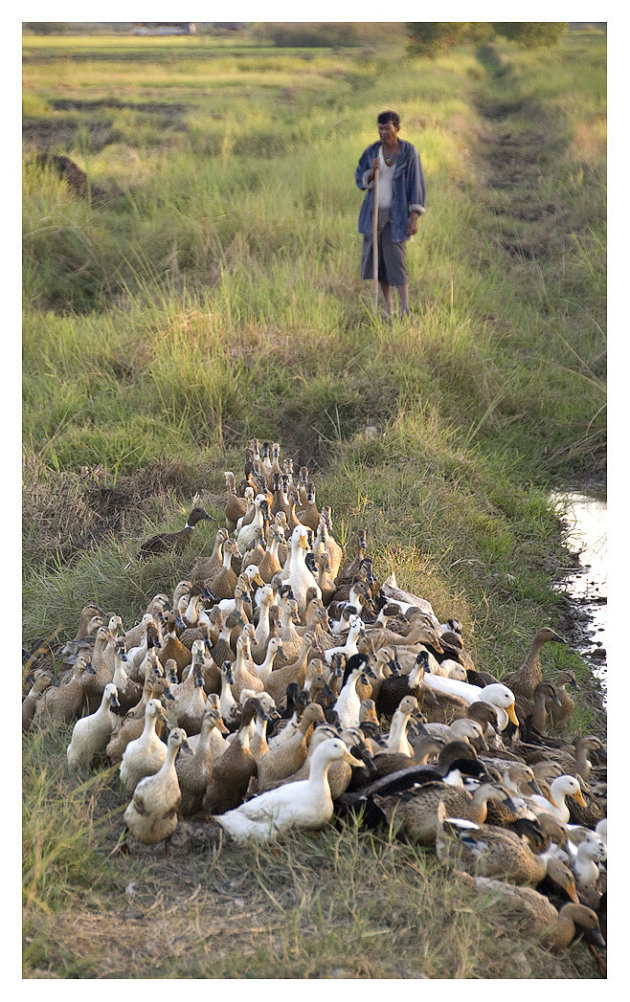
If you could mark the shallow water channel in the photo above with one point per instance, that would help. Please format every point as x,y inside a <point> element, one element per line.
<point>586,588</point>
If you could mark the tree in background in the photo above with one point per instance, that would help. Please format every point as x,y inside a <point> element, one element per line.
<point>531,34</point>
<point>432,38</point>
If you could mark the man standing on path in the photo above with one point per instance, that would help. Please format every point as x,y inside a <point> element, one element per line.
<point>401,196</point>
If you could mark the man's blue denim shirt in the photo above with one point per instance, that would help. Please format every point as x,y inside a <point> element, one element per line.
<point>409,189</point>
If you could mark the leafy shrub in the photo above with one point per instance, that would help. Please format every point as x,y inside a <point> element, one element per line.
<point>430,38</point>
<point>531,34</point>
<point>310,34</point>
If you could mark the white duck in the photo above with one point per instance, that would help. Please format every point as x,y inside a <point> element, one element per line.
<point>151,629</point>
<point>584,859</point>
<point>263,670</point>
<point>90,735</point>
<point>151,817</point>
<point>561,787</point>
<point>300,579</point>
<point>348,703</point>
<point>217,738</point>
<point>144,756</point>
<point>247,533</point>
<point>230,709</point>
<point>251,576</point>
<point>305,804</point>
<point>397,740</point>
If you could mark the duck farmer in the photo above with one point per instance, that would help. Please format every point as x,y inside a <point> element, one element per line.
<point>390,173</point>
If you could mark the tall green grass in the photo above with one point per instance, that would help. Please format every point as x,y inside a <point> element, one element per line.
<point>215,296</point>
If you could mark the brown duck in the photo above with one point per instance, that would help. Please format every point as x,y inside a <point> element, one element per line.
<point>194,770</point>
<point>232,772</point>
<point>223,583</point>
<point>561,714</point>
<point>417,813</point>
<point>538,917</point>
<point>173,647</point>
<point>491,851</point>
<point>235,507</point>
<point>66,702</point>
<point>205,568</point>
<point>287,755</point>
<point>524,681</point>
<point>168,542</point>
<point>295,671</point>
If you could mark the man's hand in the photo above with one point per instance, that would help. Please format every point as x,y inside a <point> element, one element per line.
<point>376,163</point>
<point>412,225</point>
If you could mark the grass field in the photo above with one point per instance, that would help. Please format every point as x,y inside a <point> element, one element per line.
<point>206,290</point>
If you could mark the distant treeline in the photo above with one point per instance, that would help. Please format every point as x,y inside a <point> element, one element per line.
<point>423,38</point>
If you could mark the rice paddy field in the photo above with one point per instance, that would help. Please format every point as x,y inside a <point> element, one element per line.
<point>195,285</point>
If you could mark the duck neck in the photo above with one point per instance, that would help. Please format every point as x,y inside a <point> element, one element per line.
<point>397,740</point>
<point>169,761</point>
<point>198,698</point>
<point>120,675</point>
<point>226,699</point>
<point>318,772</point>
<point>191,615</point>
<point>349,690</point>
<point>539,717</point>
<point>205,736</point>
<point>262,628</point>
<point>415,676</point>
<point>150,724</point>
<point>243,736</point>
<point>264,670</point>
<point>481,796</point>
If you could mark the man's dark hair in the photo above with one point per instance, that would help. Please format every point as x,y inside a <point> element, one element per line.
<point>389,116</point>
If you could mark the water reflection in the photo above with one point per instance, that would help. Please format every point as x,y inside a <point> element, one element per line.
<point>586,518</point>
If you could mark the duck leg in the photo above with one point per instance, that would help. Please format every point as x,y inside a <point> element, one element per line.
<point>601,964</point>
<point>122,846</point>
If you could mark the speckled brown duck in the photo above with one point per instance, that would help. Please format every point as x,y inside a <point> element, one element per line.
<point>416,813</point>
<point>168,542</point>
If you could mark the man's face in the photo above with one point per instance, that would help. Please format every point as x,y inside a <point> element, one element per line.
<point>387,132</point>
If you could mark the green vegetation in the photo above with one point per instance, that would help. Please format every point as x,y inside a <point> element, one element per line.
<point>429,38</point>
<point>207,291</point>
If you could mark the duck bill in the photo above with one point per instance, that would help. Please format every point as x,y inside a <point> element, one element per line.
<point>351,760</point>
<point>579,796</point>
<point>573,894</point>
<point>511,712</point>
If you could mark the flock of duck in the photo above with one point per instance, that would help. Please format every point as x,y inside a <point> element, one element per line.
<point>282,683</point>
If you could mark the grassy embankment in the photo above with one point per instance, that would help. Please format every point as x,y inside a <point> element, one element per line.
<point>215,297</point>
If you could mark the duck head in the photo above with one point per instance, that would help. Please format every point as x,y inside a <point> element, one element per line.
<point>198,515</point>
